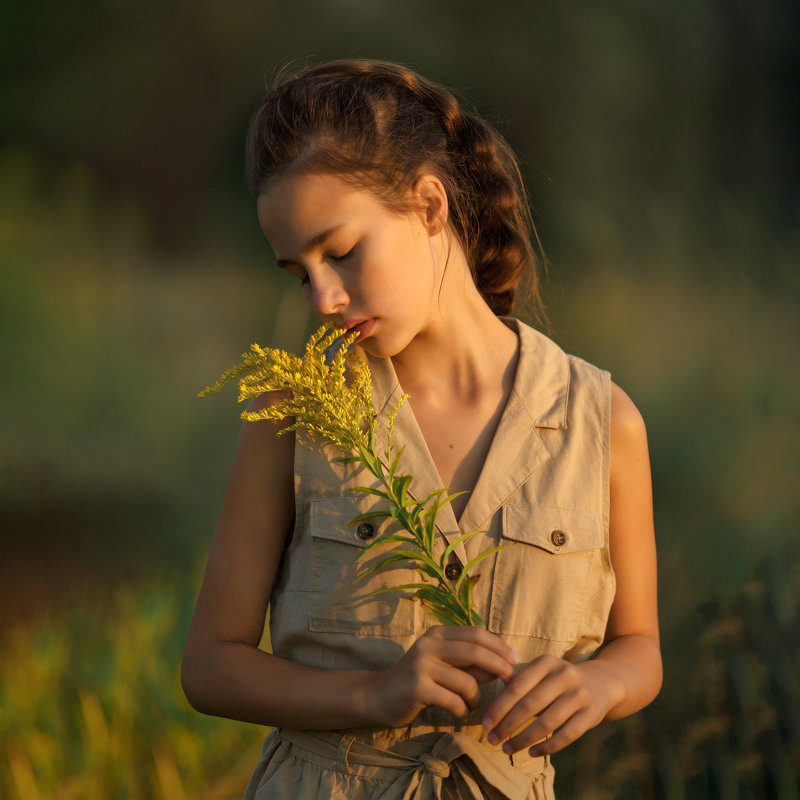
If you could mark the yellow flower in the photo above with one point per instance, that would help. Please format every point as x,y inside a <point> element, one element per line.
<point>329,392</point>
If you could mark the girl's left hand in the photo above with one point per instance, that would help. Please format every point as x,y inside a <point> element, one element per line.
<point>551,696</point>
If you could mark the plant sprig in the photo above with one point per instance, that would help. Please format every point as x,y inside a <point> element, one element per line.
<point>332,396</point>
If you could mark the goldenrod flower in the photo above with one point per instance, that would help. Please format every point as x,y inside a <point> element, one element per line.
<point>331,395</point>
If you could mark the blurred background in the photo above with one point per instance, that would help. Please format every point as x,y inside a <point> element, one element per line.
<point>659,142</point>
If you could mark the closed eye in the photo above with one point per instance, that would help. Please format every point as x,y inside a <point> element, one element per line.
<point>295,270</point>
<point>344,256</point>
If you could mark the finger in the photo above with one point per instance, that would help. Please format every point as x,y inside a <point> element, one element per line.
<point>452,689</point>
<point>480,675</point>
<point>571,730</point>
<point>530,691</point>
<point>551,719</point>
<point>517,691</point>
<point>468,654</point>
<point>459,683</point>
<point>449,701</point>
<point>549,702</point>
<point>479,636</point>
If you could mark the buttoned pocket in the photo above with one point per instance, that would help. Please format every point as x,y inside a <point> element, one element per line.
<point>542,580</point>
<point>339,602</point>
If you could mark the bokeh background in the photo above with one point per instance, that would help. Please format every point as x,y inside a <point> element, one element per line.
<point>660,145</point>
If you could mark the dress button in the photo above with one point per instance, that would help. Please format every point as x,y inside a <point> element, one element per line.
<point>452,571</point>
<point>366,530</point>
<point>558,538</point>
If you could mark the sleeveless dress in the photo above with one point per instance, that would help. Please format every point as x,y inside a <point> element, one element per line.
<point>543,490</point>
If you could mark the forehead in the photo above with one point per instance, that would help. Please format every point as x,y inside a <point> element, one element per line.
<point>302,205</point>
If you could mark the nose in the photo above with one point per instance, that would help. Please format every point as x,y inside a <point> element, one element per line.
<point>328,294</point>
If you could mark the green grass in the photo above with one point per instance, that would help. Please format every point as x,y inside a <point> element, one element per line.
<point>727,723</point>
<point>91,707</point>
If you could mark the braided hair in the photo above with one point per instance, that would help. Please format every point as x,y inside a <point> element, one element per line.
<point>381,126</point>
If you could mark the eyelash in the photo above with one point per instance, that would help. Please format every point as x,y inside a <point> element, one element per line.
<point>344,255</point>
<point>304,280</point>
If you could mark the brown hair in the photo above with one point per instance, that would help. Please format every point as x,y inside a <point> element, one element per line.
<point>382,126</point>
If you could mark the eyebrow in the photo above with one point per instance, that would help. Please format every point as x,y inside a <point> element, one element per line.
<point>314,241</point>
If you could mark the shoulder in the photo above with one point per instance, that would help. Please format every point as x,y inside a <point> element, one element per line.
<point>266,448</point>
<point>551,358</point>
<point>560,390</point>
<point>627,423</point>
<point>629,452</point>
<point>267,400</point>
<point>266,408</point>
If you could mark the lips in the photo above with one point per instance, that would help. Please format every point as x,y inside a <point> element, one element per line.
<point>362,327</point>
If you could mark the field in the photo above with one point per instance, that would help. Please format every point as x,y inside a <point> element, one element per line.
<point>112,472</point>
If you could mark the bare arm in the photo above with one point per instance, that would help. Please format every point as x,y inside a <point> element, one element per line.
<point>223,671</point>
<point>631,648</point>
<point>568,699</point>
<point>225,674</point>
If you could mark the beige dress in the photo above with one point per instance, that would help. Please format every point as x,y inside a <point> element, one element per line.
<point>543,490</point>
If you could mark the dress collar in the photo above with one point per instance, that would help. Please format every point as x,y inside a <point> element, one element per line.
<point>538,399</point>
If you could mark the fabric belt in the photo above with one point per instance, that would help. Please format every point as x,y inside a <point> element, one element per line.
<point>433,766</point>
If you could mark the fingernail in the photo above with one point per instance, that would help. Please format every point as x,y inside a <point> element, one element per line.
<point>493,738</point>
<point>534,752</point>
<point>515,659</point>
<point>488,723</point>
<point>508,749</point>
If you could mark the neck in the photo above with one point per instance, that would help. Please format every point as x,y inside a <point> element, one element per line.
<point>466,352</point>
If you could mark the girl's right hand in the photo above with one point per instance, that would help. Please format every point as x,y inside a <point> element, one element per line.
<point>444,668</point>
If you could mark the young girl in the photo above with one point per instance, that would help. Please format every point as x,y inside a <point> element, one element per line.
<point>403,219</point>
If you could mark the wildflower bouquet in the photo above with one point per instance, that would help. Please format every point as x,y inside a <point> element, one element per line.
<point>332,397</point>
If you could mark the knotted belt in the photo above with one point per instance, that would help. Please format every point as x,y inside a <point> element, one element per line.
<point>441,766</point>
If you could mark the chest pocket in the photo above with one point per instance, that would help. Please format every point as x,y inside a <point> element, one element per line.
<point>542,580</point>
<point>339,604</point>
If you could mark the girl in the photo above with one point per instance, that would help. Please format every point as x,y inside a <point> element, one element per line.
<point>403,219</point>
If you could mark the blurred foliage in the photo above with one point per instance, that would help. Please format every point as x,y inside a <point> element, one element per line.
<point>614,101</point>
<point>712,365</point>
<point>727,726</point>
<point>659,142</point>
<point>91,708</point>
<point>110,464</point>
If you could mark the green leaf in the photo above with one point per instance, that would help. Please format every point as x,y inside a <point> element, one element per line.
<point>380,565</point>
<point>443,615</point>
<point>441,599</point>
<point>402,587</point>
<point>436,594</point>
<point>395,462</point>
<point>476,619</point>
<point>418,508</point>
<point>370,515</point>
<point>370,490</point>
<point>451,497</point>
<point>465,592</point>
<point>432,571</point>
<point>389,537</point>
<point>477,560</point>
<point>398,514</point>
<point>347,460</point>
<point>420,556</point>
<point>452,546</point>
<point>401,485</point>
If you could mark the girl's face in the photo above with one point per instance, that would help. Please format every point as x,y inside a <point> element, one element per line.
<point>362,266</point>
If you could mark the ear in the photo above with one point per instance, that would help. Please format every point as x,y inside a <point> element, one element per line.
<point>432,198</point>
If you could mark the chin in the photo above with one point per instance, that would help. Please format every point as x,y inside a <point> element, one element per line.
<point>380,347</point>
<point>386,344</point>
<point>376,349</point>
